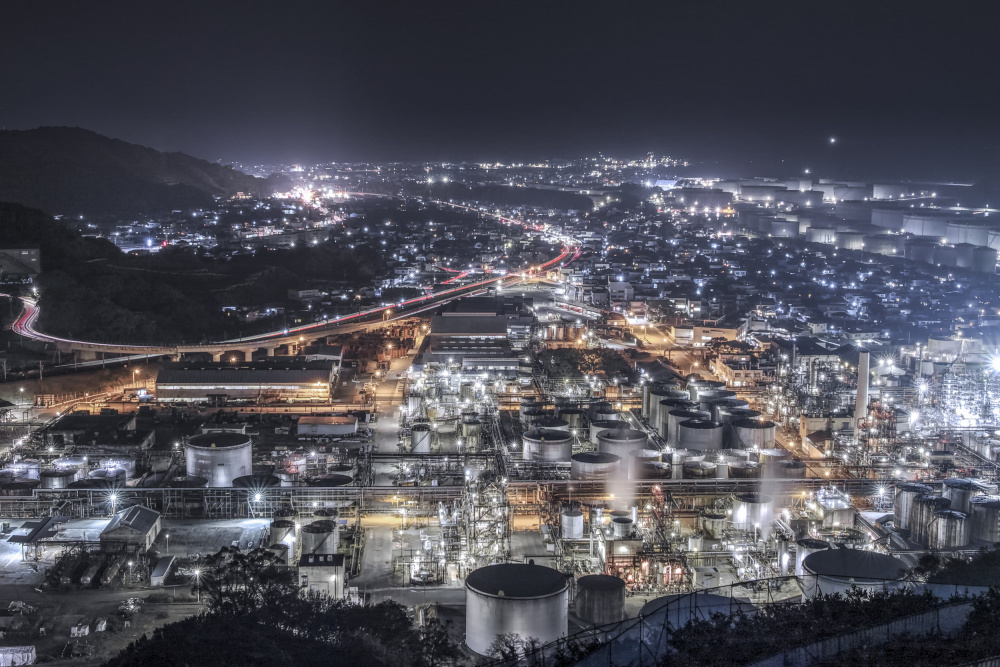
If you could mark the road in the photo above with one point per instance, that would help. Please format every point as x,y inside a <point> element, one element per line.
<point>25,324</point>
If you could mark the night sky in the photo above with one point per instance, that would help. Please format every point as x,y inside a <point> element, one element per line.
<point>908,89</point>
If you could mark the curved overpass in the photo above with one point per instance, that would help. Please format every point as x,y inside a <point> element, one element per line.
<point>295,337</point>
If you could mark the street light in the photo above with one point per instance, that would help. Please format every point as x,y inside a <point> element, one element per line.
<point>167,535</point>
<point>197,583</point>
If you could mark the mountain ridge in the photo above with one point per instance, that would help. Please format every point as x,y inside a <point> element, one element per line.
<point>73,171</point>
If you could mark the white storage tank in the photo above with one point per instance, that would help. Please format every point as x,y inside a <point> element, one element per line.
<point>621,441</point>
<point>906,494</point>
<point>755,433</point>
<point>826,235</point>
<point>666,407</point>
<point>598,426</point>
<point>637,457</point>
<point>420,438</point>
<point>769,459</point>
<point>700,434</point>
<point>674,419</point>
<point>804,547</point>
<point>281,530</point>
<point>621,527</point>
<point>542,444</point>
<point>571,522</point>
<point>948,530</point>
<point>219,457</point>
<point>753,510</point>
<point>594,465</point>
<point>553,424</point>
<point>840,570</point>
<point>984,260</point>
<point>320,537</point>
<point>922,515</point>
<point>960,492</point>
<point>514,598</point>
<point>573,418</point>
<point>986,519</point>
<point>57,478</point>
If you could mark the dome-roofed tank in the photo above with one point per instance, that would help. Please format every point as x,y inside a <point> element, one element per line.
<point>804,547</point>
<point>319,537</point>
<point>515,598</point>
<point>57,478</point>
<point>256,482</point>
<point>754,433</point>
<point>220,457</point>
<point>598,426</point>
<point>674,420</point>
<point>600,599</point>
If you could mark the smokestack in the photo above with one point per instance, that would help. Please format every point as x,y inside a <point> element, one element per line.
<point>861,402</point>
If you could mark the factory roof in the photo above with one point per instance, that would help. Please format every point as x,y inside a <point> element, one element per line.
<point>307,372</point>
<point>517,580</point>
<point>469,326</point>
<point>138,518</point>
<point>855,564</point>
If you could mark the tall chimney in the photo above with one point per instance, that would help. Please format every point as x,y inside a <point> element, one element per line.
<point>861,402</point>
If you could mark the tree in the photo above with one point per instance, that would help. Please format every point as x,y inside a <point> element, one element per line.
<point>239,583</point>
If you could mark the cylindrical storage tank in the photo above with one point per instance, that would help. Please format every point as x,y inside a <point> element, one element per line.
<point>280,530</point>
<point>714,524</point>
<point>722,409</point>
<point>698,470</point>
<point>964,253</point>
<point>256,483</point>
<point>734,455</point>
<point>57,478</point>
<point>600,599</point>
<point>573,417</point>
<point>769,459</point>
<point>111,477</point>
<point>637,457</point>
<point>697,389</point>
<point>923,516</point>
<point>986,519</point>
<point>608,415</point>
<point>945,255</point>
<point>790,469</point>
<point>553,424</point>
<point>948,530</point>
<point>674,419</point>
<point>547,445</point>
<point>219,457</point>
<point>666,406</point>
<point>598,426</point>
<point>753,510</point>
<point>755,433</point>
<point>654,470</point>
<point>681,456</point>
<point>319,537</point>
<point>906,494</point>
<point>700,434</point>
<point>960,492</point>
<point>840,570</point>
<point>621,441</point>
<point>126,463</point>
<point>531,417</point>
<point>594,465</point>
<point>530,404</point>
<point>600,406</point>
<point>920,250</point>
<point>744,470</point>
<point>420,438</point>
<point>707,403</point>
<point>515,598</point>
<point>621,527</point>
<point>804,547</point>
<point>70,462</point>
<point>26,469</point>
<point>571,521</point>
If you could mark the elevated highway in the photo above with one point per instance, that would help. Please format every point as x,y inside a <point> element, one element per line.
<point>293,338</point>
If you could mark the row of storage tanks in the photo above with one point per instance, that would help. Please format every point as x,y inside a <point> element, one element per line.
<point>225,459</point>
<point>290,536</point>
<point>68,472</point>
<point>564,414</point>
<point>533,601</point>
<point>966,511</point>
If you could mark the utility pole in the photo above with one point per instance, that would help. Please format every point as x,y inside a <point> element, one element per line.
<point>40,378</point>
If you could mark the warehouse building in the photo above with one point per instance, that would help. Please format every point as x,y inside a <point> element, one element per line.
<point>293,379</point>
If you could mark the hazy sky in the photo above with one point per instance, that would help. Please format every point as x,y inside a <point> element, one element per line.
<point>907,84</point>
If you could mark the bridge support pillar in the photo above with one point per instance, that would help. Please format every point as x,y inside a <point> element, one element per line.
<point>85,355</point>
<point>217,357</point>
<point>269,351</point>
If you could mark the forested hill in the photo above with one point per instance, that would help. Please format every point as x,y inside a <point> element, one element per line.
<point>72,171</point>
